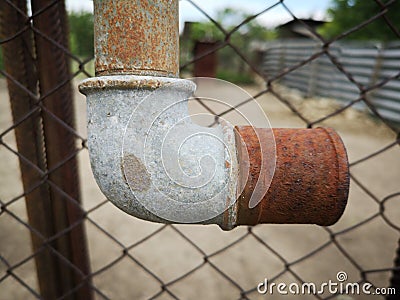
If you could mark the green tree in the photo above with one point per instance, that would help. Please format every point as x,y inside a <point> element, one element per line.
<point>81,33</point>
<point>229,18</point>
<point>347,14</point>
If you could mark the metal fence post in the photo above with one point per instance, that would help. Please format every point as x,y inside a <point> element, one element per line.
<point>18,63</point>
<point>54,83</point>
<point>46,143</point>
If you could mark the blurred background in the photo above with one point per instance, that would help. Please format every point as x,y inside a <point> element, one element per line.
<point>305,63</point>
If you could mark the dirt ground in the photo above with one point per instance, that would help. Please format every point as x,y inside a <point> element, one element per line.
<point>169,255</point>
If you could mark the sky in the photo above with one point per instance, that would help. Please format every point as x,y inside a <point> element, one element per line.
<point>187,12</point>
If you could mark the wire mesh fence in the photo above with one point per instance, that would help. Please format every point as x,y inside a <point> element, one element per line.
<point>60,239</point>
<point>367,63</point>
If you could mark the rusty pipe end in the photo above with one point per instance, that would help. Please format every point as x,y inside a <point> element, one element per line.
<point>136,37</point>
<point>311,180</point>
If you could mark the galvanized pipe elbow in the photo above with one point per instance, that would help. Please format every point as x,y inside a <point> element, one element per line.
<point>154,163</point>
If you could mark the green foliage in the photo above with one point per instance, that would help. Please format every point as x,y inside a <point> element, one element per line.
<point>242,38</point>
<point>346,14</point>
<point>235,77</point>
<point>81,33</point>
<point>229,18</point>
<point>206,31</point>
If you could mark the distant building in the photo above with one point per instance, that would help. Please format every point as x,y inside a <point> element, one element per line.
<point>300,28</point>
<point>187,30</point>
<point>201,51</point>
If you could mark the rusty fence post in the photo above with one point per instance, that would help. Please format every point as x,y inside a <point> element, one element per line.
<point>37,59</point>
<point>207,65</point>
<point>19,65</point>
<point>55,84</point>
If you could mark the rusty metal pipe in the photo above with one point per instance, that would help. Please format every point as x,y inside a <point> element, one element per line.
<point>135,37</point>
<point>148,176</point>
<point>311,180</point>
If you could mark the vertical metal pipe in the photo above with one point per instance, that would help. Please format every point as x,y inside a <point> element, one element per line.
<point>136,37</point>
<point>53,73</point>
<point>19,64</point>
<point>140,37</point>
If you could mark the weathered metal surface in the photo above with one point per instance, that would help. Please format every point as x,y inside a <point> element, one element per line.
<point>138,37</point>
<point>311,179</point>
<point>19,64</point>
<point>52,63</point>
<point>151,160</point>
<point>135,38</point>
<point>121,82</point>
<point>310,184</point>
<point>48,212</point>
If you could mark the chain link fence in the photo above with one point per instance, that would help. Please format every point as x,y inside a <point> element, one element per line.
<point>60,239</point>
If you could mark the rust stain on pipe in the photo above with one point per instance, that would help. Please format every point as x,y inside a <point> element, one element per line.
<point>136,37</point>
<point>311,180</point>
